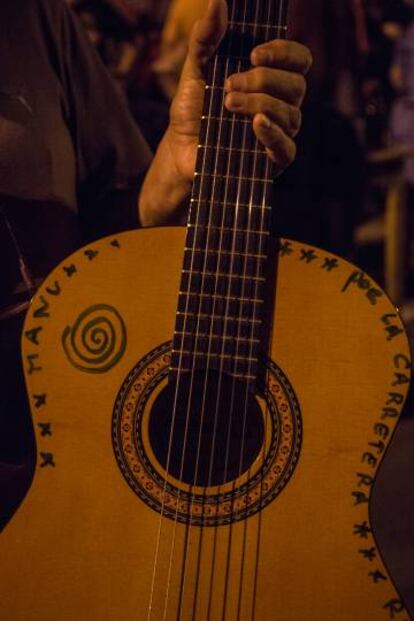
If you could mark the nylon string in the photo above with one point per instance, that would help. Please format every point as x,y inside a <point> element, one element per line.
<point>246,143</point>
<point>204,274</point>
<point>185,314</point>
<point>176,393</point>
<point>268,174</point>
<point>209,354</point>
<point>179,375</point>
<point>228,296</point>
<point>257,285</point>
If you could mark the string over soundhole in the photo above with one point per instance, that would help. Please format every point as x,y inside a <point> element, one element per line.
<point>270,443</point>
<point>207,430</point>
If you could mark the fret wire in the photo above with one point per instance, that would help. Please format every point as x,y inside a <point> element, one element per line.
<point>225,287</point>
<point>256,217</point>
<point>225,239</point>
<point>209,344</point>
<point>207,112</point>
<point>230,229</point>
<point>217,296</point>
<point>215,355</point>
<point>233,150</point>
<point>236,119</point>
<point>232,163</point>
<point>243,376</point>
<point>206,304</point>
<point>255,170</point>
<point>253,179</point>
<point>205,335</point>
<point>228,299</point>
<point>263,180</point>
<point>215,177</point>
<point>233,318</point>
<point>214,196</point>
<point>220,275</point>
<point>245,329</point>
<point>220,251</point>
<point>254,25</point>
<point>231,330</point>
<point>242,205</point>
<point>226,365</point>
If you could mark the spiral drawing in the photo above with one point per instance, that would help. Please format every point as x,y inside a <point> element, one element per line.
<point>97,340</point>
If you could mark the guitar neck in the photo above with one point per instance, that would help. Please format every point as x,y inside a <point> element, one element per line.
<point>219,318</point>
<point>231,166</point>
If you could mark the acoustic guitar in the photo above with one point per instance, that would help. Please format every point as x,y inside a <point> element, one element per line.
<point>211,459</point>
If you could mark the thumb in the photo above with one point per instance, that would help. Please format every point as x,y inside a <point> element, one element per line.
<point>205,38</point>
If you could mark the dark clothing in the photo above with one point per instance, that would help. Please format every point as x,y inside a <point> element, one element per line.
<point>66,137</point>
<point>71,163</point>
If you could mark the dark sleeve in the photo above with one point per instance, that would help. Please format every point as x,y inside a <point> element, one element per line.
<point>111,153</point>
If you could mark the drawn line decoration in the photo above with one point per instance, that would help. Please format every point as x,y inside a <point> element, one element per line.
<point>202,506</point>
<point>97,340</point>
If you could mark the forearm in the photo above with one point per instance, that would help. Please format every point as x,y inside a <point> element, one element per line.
<point>165,192</point>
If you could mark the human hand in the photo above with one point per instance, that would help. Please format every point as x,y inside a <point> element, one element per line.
<point>270,93</point>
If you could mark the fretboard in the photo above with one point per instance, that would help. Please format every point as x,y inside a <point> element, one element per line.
<point>220,307</point>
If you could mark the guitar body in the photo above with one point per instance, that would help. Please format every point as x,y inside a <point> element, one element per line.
<point>288,538</point>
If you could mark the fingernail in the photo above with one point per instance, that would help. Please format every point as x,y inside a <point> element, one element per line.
<point>234,83</point>
<point>264,121</point>
<point>259,56</point>
<point>234,101</point>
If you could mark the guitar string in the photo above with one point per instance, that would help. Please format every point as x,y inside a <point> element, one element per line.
<point>264,228</point>
<point>218,394</point>
<point>224,71</point>
<point>250,358</point>
<point>179,375</point>
<point>193,369</point>
<point>235,229</point>
<point>243,152</point>
<point>187,299</point>
<point>269,167</point>
<point>241,165</point>
<point>203,182</point>
<point>248,137</point>
<point>210,341</point>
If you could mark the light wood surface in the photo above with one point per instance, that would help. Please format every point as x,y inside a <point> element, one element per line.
<point>82,545</point>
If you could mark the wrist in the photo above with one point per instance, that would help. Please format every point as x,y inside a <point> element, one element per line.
<point>166,188</point>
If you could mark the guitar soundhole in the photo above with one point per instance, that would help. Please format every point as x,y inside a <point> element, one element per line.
<point>212,435</point>
<point>259,439</point>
